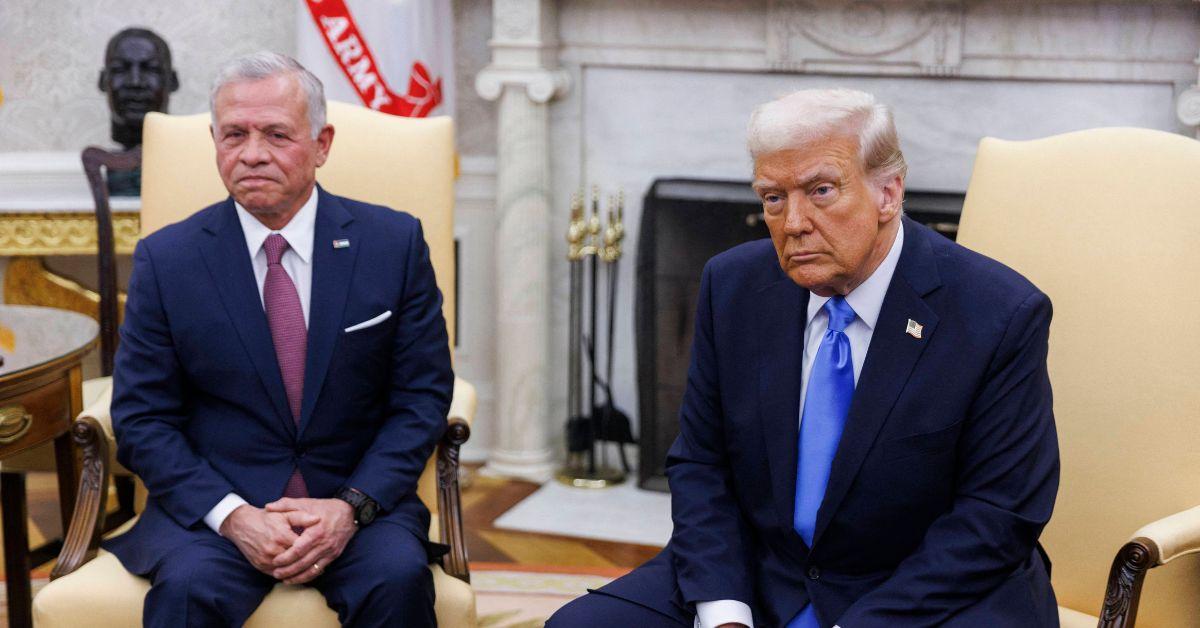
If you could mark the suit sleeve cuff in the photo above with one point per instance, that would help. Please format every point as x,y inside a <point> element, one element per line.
<point>718,612</point>
<point>217,515</point>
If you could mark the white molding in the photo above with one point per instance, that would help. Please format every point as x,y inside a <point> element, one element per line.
<point>923,38</point>
<point>476,180</point>
<point>819,38</point>
<point>1024,67</point>
<point>541,84</point>
<point>534,466</point>
<point>49,181</point>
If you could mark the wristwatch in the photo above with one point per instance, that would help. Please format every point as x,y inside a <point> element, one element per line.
<point>364,507</point>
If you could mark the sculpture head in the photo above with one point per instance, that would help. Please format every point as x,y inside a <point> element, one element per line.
<point>138,78</point>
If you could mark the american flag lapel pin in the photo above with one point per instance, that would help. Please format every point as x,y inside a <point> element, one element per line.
<point>345,244</point>
<point>914,329</point>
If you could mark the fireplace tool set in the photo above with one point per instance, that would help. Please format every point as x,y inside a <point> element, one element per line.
<point>587,430</point>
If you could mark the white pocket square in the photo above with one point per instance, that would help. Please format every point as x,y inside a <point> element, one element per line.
<point>370,323</point>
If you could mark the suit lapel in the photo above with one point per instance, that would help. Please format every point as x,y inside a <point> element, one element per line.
<point>228,263</point>
<point>332,269</point>
<point>781,356</point>
<point>890,360</point>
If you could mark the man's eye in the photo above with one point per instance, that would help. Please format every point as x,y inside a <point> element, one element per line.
<point>772,203</point>
<point>823,190</point>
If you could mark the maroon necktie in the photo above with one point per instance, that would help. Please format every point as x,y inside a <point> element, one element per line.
<point>290,335</point>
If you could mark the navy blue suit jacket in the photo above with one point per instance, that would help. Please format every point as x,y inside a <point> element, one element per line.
<point>199,408</point>
<point>946,471</point>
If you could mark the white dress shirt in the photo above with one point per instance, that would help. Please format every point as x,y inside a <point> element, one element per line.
<point>866,300</point>
<point>297,261</point>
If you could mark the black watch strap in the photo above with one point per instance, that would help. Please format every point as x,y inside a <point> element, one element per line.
<point>364,507</point>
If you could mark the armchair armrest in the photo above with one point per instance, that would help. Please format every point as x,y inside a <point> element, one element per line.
<point>1172,536</point>
<point>100,410</point>
<point>1152,545</point>
<point>82,539</point>
<point>462,405</point>
<point>458,430</point>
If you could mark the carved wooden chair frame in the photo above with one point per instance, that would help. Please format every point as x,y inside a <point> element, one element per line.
<point>82,541</point>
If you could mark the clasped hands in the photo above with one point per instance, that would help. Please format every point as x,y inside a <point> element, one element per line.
<point>265,536</point>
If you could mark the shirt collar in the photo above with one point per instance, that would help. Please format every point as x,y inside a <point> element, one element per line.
<point>867,299</point>
<point>298,232</point>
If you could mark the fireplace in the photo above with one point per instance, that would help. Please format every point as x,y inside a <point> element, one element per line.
<point>684,223</point>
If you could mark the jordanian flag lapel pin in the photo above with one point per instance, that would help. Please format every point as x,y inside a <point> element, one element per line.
<point>341,244</point>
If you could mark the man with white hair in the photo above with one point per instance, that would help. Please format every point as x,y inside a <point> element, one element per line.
<point>866,439</point>
<point>282,377</point>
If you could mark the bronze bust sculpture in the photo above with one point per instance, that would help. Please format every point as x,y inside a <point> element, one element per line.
<point>138,78</point>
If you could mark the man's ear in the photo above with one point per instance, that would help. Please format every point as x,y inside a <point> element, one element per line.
<point>891,199</point>
<point>172,82</point>
<point>324,141</point>
<point>103,82</point>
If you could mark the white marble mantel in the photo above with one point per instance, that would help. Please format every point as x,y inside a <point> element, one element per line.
<point>664,88</point>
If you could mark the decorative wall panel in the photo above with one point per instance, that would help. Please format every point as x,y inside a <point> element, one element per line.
<point>846,35</point>
<point>51,52</point>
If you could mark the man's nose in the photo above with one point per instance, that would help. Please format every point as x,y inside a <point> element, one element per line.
<point>797,220</point>
<point>254,152</point>
<point>135,75</point>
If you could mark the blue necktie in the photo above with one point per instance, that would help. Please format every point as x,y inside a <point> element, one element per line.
<point>830,389</point>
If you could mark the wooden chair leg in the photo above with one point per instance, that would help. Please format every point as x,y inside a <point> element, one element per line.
<point>16,550</point>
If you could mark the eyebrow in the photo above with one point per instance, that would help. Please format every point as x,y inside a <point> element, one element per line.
<point>822,172</point>
<point>274,126</point>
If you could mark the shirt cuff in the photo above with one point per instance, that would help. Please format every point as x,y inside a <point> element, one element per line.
<point>217,515</point>
<point>718,612</point>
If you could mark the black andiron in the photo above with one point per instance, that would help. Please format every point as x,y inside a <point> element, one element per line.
<point>588,430</point>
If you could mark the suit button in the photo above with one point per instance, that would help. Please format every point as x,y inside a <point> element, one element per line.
<point>300,451</point>
<point>814,573</point>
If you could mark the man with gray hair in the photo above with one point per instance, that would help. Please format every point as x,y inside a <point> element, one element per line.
<point>866,439</point>
<point>282,377</point>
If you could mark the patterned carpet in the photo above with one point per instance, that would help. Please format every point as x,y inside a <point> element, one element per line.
<point>514,598</point>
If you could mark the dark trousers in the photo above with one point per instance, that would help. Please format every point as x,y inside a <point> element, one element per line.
<point>381,579</point>
<point>600,610</point>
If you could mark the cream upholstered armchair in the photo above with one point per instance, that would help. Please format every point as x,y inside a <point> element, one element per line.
<point>1107,223</point>
<point>403,163</point>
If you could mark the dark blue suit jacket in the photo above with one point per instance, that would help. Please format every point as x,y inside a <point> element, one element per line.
<point>199,408</point>
<point>944,477</point>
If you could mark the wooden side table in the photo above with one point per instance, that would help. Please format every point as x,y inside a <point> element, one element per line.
<point>41,392</point>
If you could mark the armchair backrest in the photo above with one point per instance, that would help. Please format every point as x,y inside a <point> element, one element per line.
<point>403,163</point>
<point>1107,223</point>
